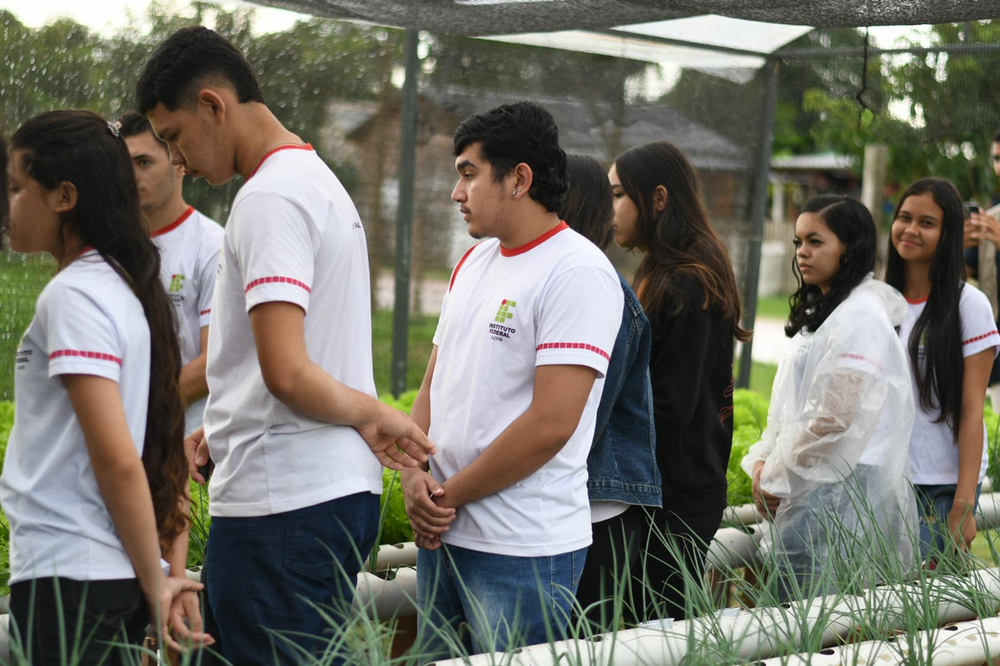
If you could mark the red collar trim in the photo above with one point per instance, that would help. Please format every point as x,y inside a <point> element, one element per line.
<point>513,252</point>
<point>173,225</point>
<point>918,301</point>
<point>307,146</point>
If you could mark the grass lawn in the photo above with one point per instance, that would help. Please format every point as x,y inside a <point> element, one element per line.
<point>22,279</point>
<point>421,336</point>
<point>773,307</point>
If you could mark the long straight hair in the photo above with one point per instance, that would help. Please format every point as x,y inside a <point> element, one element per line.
<point>588,207</point>
<point>939,327</point>
<point>80,148</point>
<point>679,240</point>
<point>853,226</point>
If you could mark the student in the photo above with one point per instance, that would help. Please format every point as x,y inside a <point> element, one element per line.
<point>189,246</point>
<point>94,477</point>
<point>623,478</point>
<point>830,466</point>
<point>952,340</point>
<point>292,423</point>
<point>510,395</point>
<point>686,286</point>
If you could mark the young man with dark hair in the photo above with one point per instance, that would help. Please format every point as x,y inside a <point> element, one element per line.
<point>510,395</point>
<point>292,423</point>
<point>189,244</point>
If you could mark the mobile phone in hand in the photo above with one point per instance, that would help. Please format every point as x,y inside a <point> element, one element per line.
<point>969,208</point>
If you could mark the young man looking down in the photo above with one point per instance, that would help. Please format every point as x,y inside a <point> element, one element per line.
<point>510,394</point>
<point>292,423</point>
<point>189,244</point>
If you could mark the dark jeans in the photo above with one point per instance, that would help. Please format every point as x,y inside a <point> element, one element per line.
<point>666,585</point>
<point>933,506</point>
<point>506,601</point>
<point>613,570</point>
<point>94,614</point>
<point>269,575</point>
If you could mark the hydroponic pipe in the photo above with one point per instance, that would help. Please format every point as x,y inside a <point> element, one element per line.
<point>961,644</point>
<point>760,633</point>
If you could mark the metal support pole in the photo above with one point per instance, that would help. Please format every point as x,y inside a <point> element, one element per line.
<point>404,218</point>
<point>758,211</point>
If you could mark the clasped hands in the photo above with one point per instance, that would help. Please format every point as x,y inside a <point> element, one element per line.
<point>426,507</point>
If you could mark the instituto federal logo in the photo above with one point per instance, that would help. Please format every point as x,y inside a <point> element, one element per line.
<point>176,283</point>
<point>504,313</point>
<point>497,331</point>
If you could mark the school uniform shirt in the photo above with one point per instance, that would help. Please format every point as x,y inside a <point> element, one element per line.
<point>554,301</point>
<point>294,236</point>
<point>933,449</point>
<point>189,255</point>
<point>87,322</point>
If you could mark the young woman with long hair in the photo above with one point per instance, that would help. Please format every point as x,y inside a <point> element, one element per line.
<point>830,466</point>
<point>952,340</point>
<point>95,481</point>
<point>686,286</point>
<point>623,479</point>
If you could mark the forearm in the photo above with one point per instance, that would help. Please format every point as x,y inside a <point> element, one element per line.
<point>193,385</point>
<point>970,456</point>
<point>125,490</point>
<point>177,557</point>
<point>311,391</point>
<point>517,453</point>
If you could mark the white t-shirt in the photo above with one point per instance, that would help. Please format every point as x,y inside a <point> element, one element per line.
<point>293,236</point>
<point>87,322</point>
<point>554,301</point>
<point>933,450</point>
<point>189,254</point>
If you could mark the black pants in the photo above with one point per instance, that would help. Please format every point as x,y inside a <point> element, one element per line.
<point>94,615</point>
<point>666,586</point>
<point>613,570</point>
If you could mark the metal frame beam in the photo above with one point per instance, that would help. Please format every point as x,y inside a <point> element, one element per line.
<point>404,218</point>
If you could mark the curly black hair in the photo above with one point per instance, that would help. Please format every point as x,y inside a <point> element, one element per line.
<point>514,133</point>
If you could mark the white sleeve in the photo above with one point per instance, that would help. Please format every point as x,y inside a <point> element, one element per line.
<point>275,247</point>
<point>208,269</point>
<point>579,316</point>
<point>80,335</point>
<point>979,331</point>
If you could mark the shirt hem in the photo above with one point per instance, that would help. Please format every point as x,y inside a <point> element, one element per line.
<point>518,550</point>
<point>277,292</point>
<point>114,573</point>
<point>105,369</point>
<point>222,509</point>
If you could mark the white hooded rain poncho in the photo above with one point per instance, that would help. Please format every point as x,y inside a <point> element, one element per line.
<point>835,449</point>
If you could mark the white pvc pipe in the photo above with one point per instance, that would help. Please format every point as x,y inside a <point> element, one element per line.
<point>391,556</point>
<point>962,644</point>
<point>387,598</point>
<point>756,634</point>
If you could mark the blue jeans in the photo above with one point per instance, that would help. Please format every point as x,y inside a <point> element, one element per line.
<point>507,601</point>
<point>933,506</point>
<point>268,574</point>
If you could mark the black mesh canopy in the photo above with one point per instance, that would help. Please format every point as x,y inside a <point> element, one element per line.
<point>490,17</point>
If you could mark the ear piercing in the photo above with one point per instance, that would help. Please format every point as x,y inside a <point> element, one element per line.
<point>517,191</point>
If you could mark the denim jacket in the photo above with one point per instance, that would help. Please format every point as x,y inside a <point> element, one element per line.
<point>622,461</point>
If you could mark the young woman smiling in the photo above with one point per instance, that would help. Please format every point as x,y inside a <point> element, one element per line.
<point>952,341</point>
<point>832,460</point>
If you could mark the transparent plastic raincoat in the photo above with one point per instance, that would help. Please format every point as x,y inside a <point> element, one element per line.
<point>835,449</point>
